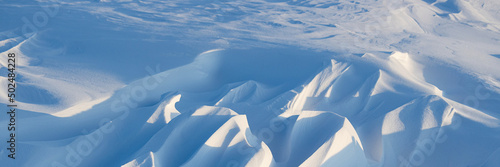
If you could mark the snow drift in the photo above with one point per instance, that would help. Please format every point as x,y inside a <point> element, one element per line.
<point>255,83</point>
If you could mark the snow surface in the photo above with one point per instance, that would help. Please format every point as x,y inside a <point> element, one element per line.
<point>142,83</point>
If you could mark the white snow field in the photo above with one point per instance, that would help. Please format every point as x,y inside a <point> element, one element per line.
<point>281,83</point>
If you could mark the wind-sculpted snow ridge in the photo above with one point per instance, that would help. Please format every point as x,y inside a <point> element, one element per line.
<point>138,83</point>
<point>371,110</point>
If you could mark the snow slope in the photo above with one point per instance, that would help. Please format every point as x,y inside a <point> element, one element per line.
<point>253,83</point>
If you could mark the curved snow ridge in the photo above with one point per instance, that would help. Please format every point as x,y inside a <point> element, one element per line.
<point>422,128</point>
<point>53,89</point>
<point>232,144</point>
<point>216,137</point>
<point>471,12</point>
<point>250,92</point>
<point>360,89</point>
<point>389,99</point>
<point>229,141</point>
<point>321,138</point>
<point>373,110</point>
<point>425,16</point>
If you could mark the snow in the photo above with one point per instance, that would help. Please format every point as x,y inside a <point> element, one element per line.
<point>253,83</point>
